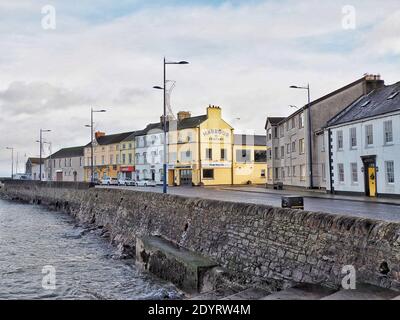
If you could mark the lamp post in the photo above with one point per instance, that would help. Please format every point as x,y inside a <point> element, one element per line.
<point>51,171</point>
<point>310,159</point>
<point>165,119</point>
<point>91,141</point>
<point>40,153</point>
<point>12,161</point>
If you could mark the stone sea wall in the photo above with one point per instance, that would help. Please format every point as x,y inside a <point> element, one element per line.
<point>254,242</point>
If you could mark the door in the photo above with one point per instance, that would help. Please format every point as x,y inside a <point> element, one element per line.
<point>153,175</point>
<point>75,176</point>
<point>186,177</point>
<point>59,176</point>
<point>372,181</point>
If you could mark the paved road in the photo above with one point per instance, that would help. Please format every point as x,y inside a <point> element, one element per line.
<point>345,207</point>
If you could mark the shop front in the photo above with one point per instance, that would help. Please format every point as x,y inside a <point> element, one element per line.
<point>126,172</point>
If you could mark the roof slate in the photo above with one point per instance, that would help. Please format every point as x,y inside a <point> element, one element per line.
<point>68,153</point>
<point>374,104</point>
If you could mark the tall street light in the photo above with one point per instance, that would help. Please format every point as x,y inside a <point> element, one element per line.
<point>41,148</point>
<point>12,161</point>
<point>165,119</point>
<point>51,171</point>
<point>91,141</point>
<point>310,159</point>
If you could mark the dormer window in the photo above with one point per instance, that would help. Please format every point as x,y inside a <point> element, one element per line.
<point>393,95</point>
<point>366,103</point>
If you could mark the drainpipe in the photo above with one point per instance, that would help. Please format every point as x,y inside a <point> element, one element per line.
<point>330,161</point>
<point>310,139</point>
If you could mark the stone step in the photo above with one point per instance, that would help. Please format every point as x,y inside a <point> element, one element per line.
<point>301,292</point>
<point>364,292</point>
<point>214,295</point>
<point>248,294</point>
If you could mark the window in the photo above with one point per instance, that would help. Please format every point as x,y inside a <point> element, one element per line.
<point>389,168</point>
<point>281,131</point>
<point>282,152</point>
<point>243,155</point>
<point>269,154</point>
<point>354,173</point>
<point>124,146</point>
<point>276,153</point>
<point>262,173</point>
<point>102,159</point>
<point>260,156</point>
<point>208,154</point>
<point>353,138</point>
<point>288,148</point>
<point>283,173</point>
<point>303,172</point>
<point>322,137</point>
<point>388,131</point>
<point>301,146</point>
<point>340,172</point>
<point>186,156</point>
<point>339,139</point>
<point>269,134</point>
<point>130,158</point>
<point>223,154</point>
<point>269,173</point>
<point>117,159</point>
<point>276,173</point>
<point>276,132</point>
<point>208,173</point>
<point>369,138</point>
<point>301,120</point>
<point>123,158</point>
<point>294,171</point>
<point>144,158</point>
<point>111,159</point>
<point>288,171</point>
<point>294,146</point>
<point>293,122</point>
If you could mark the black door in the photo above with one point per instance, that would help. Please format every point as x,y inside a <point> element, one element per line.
<point>153,175</point>
<point>186,177</point>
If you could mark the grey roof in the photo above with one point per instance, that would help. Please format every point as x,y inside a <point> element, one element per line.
<point>243,139</point>
<point>35,160</point>
<point>274,121</point>
<point>112,138</point>
<point>191,122</point>
<point>68,153</point>
<point>376,103</point>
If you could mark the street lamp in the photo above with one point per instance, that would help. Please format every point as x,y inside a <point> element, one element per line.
<point>51,171</point>
<point>310,160</point>
<point>41,147</point>
<point>91,141</point>
<point>12,161</point>
<point>165,119</point>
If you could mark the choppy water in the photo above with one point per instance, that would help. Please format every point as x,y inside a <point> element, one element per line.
<point>86,266</point>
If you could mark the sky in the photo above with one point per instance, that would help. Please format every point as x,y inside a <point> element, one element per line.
<point>243,56</point>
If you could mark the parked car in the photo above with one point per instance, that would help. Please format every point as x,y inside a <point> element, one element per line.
<point>109,181</point>
<point>146,183</point>
<point>126,182</point>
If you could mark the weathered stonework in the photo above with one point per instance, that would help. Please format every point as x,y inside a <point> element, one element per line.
<point>254,242</point>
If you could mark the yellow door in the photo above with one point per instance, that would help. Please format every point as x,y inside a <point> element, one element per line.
<point>372,181</point>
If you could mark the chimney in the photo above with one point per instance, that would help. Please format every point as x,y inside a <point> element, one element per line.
<point>373,81</point>
<point>213,112</point>
<point>183,115</point>
<point>99,134</point>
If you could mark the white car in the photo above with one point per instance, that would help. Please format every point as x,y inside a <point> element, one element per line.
<point>126,182</point>
<point>146,183</point>
<point>109,181</point>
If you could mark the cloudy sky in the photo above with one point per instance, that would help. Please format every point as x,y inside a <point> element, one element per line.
<point>243,56</point>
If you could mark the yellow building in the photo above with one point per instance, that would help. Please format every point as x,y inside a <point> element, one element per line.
<point>127,157</point>
<point>106,155</point>
<point>200,149</point>
<point>250,159</point>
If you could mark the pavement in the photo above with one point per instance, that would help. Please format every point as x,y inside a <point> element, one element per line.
<point>313,201</point>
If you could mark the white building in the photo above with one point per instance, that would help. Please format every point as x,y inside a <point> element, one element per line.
<point>66,165</point>
<point>32,169</point>
<point>149,153</point>
<point>364,144</point>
